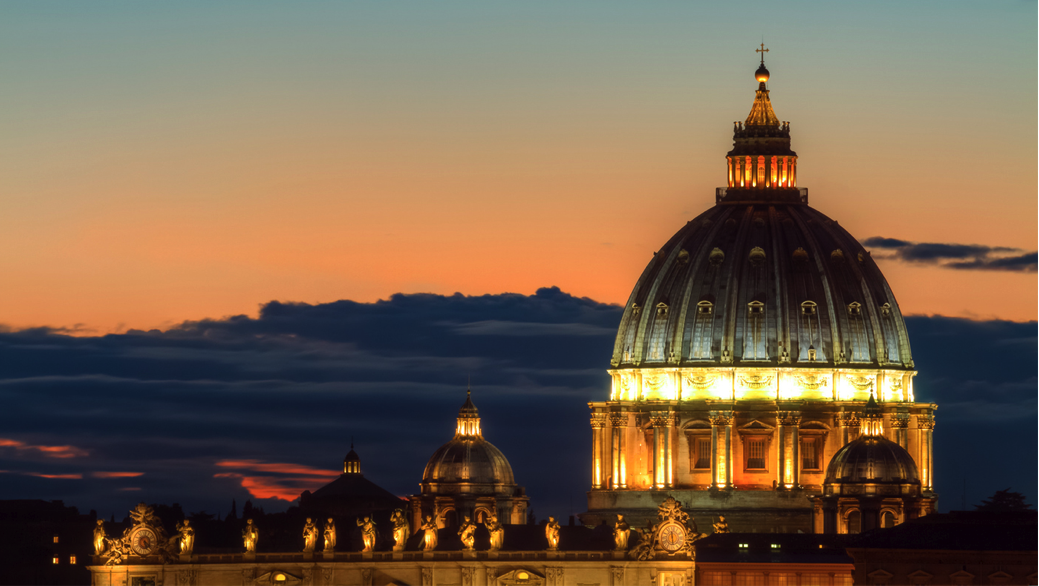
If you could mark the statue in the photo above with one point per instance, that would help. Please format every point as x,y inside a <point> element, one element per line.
<point>552,534</point>
<point>429,534</point>
<point>250,535</point>
<point>496,530</point>
<point>187,537</point>
<point>721,526</point>
<point>330,536</point>
<point>468,534</point>
<point>309,536</point>
<point>368,533</point>
<point>401,530</point>
<point>621,533</point>
<point>99,537</point>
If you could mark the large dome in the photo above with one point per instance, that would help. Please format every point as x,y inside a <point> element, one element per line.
<point>760,283</point>
<point>468,460</point>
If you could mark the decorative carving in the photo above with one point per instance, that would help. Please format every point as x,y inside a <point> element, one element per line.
<point>720,418</point>
<point>598,420</point>
<point>467,533</point>
<point>654,382</point>
<point>925,421</point>
<point>837,256</point>
<point>721,526</point>
<point>186,577</point>
<point>621,532</point>
<point>716,257</point>
<point>859,383</point>
<point>683,257</point>
<point>726,356</point>
<point>812,382</point>
<point>554,575</point>
<point>848,419</point>
<point>250,535</point>
<point>635,309</point>
<point>673,534</point>
<point>800,255</point>
<point>617,573</point>
<point>492,574</point>
<point>186,539</point>
<point>784,356</point>
<point>552,534</point>
<point>429,538</point>
<point>900,421</point>
<point>427,576</point>
<point>401,529</point>
<point>145,538</point>
<point>366,576</point>
<point>662,309</point>
<point>788,417</point>
<point>618,419</point>
<point>756,256</point>
<point>328,573</point>
<point>496,531</point>
<point>468,575</point>
<point>701,382</point>
<point>756,381</point>
<point>368,533</point>
<point>885,309</point>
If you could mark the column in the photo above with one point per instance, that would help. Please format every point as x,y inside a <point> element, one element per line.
<point>795,448</point>
<point>598,423</point>
<point>900,422</point>
<point>659,458</point>
<point>669,448</point>
<point>847,422</point>
<point>721,449</point>
<point>619,422</point>
<point>781,450</point>
<point>926,424</point>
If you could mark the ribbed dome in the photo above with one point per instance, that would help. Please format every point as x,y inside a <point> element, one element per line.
<point>759,283</point>
<point>872,460</point>
<point>471,460</point>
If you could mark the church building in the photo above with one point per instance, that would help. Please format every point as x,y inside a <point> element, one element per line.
<point>762,383</point>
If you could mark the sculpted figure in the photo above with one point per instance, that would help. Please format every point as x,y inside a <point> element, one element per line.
<point>496,530</point>
<point>250,535</point>
<point>330,535</point>
<point>429,534</point>
<point>99,537</point>
<point>467,532</point>
<point>368,533</point>
<point>621,533</point>
<point>552,534</point>
<point>309,536</point>
<point>187,537</point>
<point>401,530</point>
<point>721,526</point>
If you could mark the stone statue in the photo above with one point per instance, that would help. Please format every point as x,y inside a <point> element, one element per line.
<point>330,535</point>
<point>99,537</point>
<point>368,533</point>
<point>467,532</point>
<point>187,537</point>
<point>552,534</point>
<point>429,534</point>
<point>496,530</point>
<point>250,535</point>
<point>621,533</point>
<point>309,536</point>
<point>721,526</point>
<point>401,530</point>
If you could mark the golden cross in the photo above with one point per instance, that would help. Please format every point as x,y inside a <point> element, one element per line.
<point>762,50</point>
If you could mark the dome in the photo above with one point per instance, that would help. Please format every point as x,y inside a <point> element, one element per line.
<point>761,74</point>
<point>872,460</point>
<point>468,461</point>
<point>759,282</point>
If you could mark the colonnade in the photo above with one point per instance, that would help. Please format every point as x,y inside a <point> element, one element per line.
<point>762,171</point>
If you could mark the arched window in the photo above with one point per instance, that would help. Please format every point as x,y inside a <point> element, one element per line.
<point>887,519</point>
<point>854,522</point>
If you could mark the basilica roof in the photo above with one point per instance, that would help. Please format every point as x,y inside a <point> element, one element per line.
<point>762,278</point>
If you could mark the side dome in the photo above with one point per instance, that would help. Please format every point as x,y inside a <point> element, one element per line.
<point>468,463</point>
<point>872,460</point>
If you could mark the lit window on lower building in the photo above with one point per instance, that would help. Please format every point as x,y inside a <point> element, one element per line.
<point>55,539</point>
<point>775,546</point>
<point>744,545</point>
<point>72,560</point>
<point>55,560</point>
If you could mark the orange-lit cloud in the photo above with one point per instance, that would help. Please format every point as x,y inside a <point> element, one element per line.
<point>117,474</point>
<point>58,476</point>
<point>267,480</point>
<point>49,451</point>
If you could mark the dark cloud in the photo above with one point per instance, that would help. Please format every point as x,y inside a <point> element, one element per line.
<point>956,256</point>
<point>213,409</point>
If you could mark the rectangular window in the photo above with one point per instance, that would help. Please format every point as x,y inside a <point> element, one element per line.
<point>703,454</point>
<point>55,539</point>
<point>55,561</point>
<point>756,454</point>
<point>810,453</point>
<point>72,560</point>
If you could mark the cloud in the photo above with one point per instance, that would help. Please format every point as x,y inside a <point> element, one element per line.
<point>956,256</point>
<point>49,451</point>
<point>266,407</point>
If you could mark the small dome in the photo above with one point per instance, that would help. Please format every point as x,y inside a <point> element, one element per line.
<point>468,460</point>
<point>352,457</point>
<point>872,459</point>
<point>761,74</point>
<point>352,462</point>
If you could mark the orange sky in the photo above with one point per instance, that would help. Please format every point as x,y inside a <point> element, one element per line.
<point>209,170</point>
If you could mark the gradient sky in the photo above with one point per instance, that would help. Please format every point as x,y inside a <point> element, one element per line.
<point>173,161</point>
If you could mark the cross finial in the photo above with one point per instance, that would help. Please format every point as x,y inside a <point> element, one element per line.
<point>762,50</point>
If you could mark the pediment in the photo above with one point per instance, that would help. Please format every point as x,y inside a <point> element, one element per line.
<point>521,577</point>
<point>756,425</point>
<point>278,577</point>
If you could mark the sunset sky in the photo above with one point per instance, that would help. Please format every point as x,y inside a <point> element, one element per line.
<point>169,166</point>
<point>165,162</point>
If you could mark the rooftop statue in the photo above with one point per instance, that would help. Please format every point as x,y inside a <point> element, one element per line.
<point>552,534</point>
<point>309,536</point>
<point>330,536</point>
<point>368,533</point>
<point>401,530</point>
<point>250,535</point>
<point>99,537</point>
<point>467,532</point>
<point>429,534</point>
<point>497,531</point>
<point>621,533</point>
<point>186,539</point>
